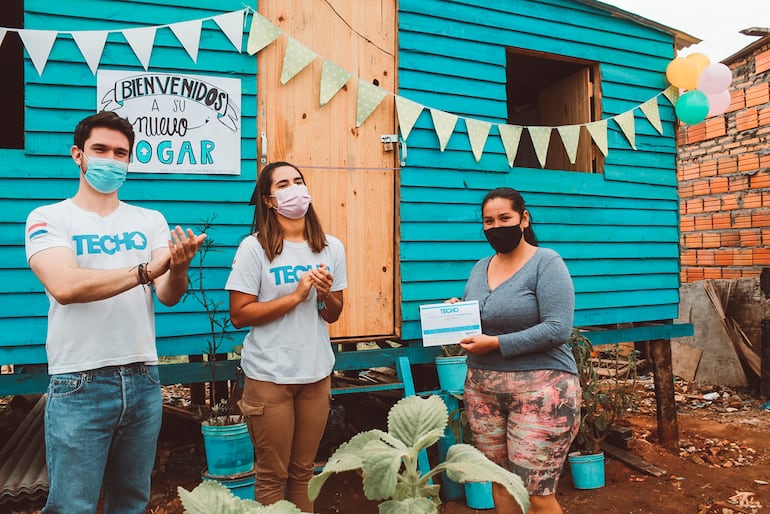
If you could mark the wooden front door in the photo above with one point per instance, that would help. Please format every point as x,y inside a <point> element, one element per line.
<point>350,174</point>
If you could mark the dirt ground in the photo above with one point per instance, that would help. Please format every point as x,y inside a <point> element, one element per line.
<point>722,465</point>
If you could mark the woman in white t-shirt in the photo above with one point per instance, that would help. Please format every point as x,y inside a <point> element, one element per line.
<point>286,284</point>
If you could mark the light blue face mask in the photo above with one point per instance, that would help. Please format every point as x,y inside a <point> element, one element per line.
<point>106,175</point>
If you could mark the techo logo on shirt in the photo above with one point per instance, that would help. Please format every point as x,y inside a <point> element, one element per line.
<point>291,274</point>
<point>94,243</point>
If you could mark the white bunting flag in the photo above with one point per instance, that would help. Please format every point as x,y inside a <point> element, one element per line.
<point>650,109</point>
<point>444,125</point>
<point>91,45</point>
<point>672,93</point>
<point>141,41</point>
<point>510,136</point>
<point>2,34</point>
<point>189,34</point>
<point>295,59</point>
<point>261,33</point>
<point>408,112</point>
<point>598,131</point>
<point>232,25</point>
<point>369,98</point>
<point>332,79</point>
<point>38,44</point>
<point>570,136</point>
<point>626,123</point>
<point>541,136</point>
<point>478,132</point>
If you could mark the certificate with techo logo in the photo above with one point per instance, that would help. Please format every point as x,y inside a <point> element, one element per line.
<point>447,323</point>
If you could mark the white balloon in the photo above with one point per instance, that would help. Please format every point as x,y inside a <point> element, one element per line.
<point>715,78</point>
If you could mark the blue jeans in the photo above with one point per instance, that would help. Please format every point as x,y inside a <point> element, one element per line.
<point>101,429</point>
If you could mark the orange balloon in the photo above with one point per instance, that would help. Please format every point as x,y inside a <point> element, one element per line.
<point>683,73</point>
<point>701,61</point>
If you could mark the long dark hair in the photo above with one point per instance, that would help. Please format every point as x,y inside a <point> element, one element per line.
<point>517,204</point>
<point>265,223</point>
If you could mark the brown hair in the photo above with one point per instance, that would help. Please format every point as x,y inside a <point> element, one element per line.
<point>107,119</point>
<point>265,224</point>
<point>517,204</point>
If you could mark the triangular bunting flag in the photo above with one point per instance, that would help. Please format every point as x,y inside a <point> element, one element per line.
<point>672,93</point>
<point>444,125</point>
<point>141,41</point>
<point>650,109</point>
<point>231,25</point>
<point>598,131</point>
<point>541,136</point>
<point>189,34</point>
<point>261,33</point>
<point>478,131</point>
<point>91,45</point>
<point>2,34</point>
<point>510,136</point>
<point>295,59</point>
<point>369,97</point>
<point>332,79</point>
<point>408,112</point>
<point>38,44</point>
<point>570,136</point>
<point>626,123</point>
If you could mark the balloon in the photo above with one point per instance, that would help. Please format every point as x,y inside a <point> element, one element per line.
<point>701,61</point>
<point>682,73</point>
<point>718,103</point>
<point>715,78</point>
<point>692,107</point>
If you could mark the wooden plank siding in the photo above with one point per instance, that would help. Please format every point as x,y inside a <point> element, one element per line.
<point>43,171</point>
<point>617,231</point>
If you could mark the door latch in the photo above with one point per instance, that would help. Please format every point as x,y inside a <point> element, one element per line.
<point>389,139</point>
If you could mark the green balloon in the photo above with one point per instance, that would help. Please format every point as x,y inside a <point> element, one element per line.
<point>692,107</point>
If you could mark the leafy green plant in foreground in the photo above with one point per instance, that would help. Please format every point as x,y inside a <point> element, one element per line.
<point>388,461</point>
<point>214,498</point>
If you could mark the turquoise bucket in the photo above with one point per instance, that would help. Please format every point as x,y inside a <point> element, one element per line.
<point>587,470</point>
<point>478,495</point>
<point>228,449</point>
<point>451,373</point>
<point>242,486</point>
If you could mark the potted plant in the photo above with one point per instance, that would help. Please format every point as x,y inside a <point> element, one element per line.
<point>229,451</point>
<point>388,461</point>
<point>214,498</point>
<point>451,368</point>
<point>606,397</point>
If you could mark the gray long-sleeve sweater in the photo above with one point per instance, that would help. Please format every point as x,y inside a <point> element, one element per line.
<point>531,313</point>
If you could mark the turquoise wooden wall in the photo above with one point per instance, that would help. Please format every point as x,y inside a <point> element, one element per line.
<point>617,231</point>
<point>43,172</point>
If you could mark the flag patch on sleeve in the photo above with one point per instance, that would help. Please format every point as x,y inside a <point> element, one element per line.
<point>37,230</point>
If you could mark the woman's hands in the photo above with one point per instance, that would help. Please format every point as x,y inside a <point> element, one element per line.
<point>322,280</point>
<point>480,343</point>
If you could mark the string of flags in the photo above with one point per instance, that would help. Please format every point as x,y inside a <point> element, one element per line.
<point>297,57</point>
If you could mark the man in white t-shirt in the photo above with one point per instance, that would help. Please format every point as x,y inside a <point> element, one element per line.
<point>100,260</point>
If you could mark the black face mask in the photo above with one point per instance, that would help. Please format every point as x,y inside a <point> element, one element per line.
<point>504,239</point>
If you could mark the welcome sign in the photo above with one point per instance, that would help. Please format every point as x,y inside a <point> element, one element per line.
<point>183,123</point>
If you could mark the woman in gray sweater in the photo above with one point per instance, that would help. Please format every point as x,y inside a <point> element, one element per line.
<point>522,394</point>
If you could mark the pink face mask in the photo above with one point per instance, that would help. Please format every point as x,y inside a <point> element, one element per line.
<point>293,201</point>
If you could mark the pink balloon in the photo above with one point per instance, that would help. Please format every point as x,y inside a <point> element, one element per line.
<point>718,103</point>
<point>715,78</point>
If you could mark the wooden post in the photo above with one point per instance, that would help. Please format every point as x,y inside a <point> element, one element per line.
<point>764,379</point>
<point>668,428</point>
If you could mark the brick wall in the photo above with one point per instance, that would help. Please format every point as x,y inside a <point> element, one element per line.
<point>723,171</point>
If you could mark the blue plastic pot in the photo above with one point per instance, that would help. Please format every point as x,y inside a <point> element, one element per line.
<point>242,486</point>
<point>587,470</point>
<point>478,495</point>
<point>451,373</point>
<point>228,449</point>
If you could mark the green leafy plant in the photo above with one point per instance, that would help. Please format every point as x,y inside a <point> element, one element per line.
<point>452,350</point>
<point>221,412</point>
<point>606,397</point>
<point>389,461</point>
<point>214,498</point>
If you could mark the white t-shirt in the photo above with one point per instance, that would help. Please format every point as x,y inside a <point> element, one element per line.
<point>295,348</point>
<point>110,332</point>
